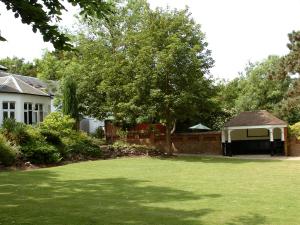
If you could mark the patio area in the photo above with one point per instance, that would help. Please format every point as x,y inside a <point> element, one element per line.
<point>258,157</point>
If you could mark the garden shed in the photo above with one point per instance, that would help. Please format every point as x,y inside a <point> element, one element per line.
<point>254,132</point>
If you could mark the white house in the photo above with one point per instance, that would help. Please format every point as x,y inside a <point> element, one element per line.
<point>23,98</point>
<point>29,100</point>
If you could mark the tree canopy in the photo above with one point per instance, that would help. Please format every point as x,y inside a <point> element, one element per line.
<point>145,65</point>
<point>17,65</point>
<point>141,65</point>
<point>265,85</point>
<point>42,15</point>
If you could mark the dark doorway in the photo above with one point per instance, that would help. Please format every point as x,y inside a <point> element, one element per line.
<point>256,147</point>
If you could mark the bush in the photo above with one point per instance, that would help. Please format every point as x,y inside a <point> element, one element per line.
<point>120,149</point>
<point>50,142</point>
<point>79,143</point>
<point>122,134</point>
<point>59,123</point>
<point>9,125</point>
<point>8,153</point>
<point>14,131</point>
<point>99,133</point>
<point>295,130</point>
<point>52,137</point>
<point>37,150</point>
<point>41,152</point>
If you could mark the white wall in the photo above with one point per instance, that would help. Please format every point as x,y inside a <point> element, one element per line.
<point>90,125</point>
<point>94,124</point>
<point>19,100</point>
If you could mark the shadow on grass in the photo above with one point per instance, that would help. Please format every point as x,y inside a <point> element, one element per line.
<point>41,197</point>
<point>252,218</point>
<point>209,159</point>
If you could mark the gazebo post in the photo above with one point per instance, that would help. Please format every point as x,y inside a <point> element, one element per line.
<point>284,139</point>
<point>282,133</point>
<point>286,150</point>
<point>228,148</point>
<point>223,142</point>
<point>271,141</point>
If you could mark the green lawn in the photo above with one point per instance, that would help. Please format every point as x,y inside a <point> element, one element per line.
<point>178,191</point>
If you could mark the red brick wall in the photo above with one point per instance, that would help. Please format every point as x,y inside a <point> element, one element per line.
<point>110,131</point>
<point>293,146</point>
<point>196,143</point>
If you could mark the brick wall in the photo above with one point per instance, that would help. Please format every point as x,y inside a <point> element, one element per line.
<point>197,143</point>
<point>293,146</point>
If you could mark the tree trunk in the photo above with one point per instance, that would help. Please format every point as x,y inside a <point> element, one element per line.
<point>168,141</point>
<point>168,134</point>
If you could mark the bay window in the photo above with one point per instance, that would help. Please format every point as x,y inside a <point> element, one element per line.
<point>33,113</point>
<point>8,110</point>
<point>28,113</point>
<point>41,112</point>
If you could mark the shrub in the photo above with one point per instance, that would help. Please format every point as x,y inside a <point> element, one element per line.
<point>57,122</point>
<point>51,137</point>
<point>8,153</point>
<point>14,131</point>
<point>295,130</point>
<point>37,150</point>
<point>99,133</point>
<point>34,135</point>
<point>9,125</point>
<point>41,152</point>
<point>120,149</point>
<point>122,134</point>
<point>79,143</point>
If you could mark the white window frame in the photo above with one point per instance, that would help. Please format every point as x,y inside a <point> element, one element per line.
<point>9,110</point>
<point>39,111</point>
<point>27,110</point>
<point>36,110</point>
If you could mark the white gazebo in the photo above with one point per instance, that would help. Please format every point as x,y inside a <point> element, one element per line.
<point>256,132</point>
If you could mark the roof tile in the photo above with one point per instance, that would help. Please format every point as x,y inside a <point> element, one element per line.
<point>254,118</point>
<point>13,84</point>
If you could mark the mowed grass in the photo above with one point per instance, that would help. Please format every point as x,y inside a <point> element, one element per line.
<point>184,190</point>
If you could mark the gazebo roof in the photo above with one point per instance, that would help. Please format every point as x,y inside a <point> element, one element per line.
<point>254,118</point>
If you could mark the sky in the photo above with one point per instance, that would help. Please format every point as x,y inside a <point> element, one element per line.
<point>237,31</point>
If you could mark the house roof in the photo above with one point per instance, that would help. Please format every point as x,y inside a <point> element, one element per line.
<point>32,81</point>
<point>13,84</point>
<point>254,118</point>
<point>3,67</point>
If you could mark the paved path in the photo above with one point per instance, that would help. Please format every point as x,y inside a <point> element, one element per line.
<point>263,157</point>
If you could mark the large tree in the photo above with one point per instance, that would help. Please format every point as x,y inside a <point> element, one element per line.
<point>153,66</point>
<point>52,65</point>
<point>260,87</point>
<point>17,65</point>
<point>144,65</point>
<point>170,82</point>
<point>41,15</point>
<point>70,101</point>
<point>264,85</point>
<point>292,59</point>
<point>290,106</point>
